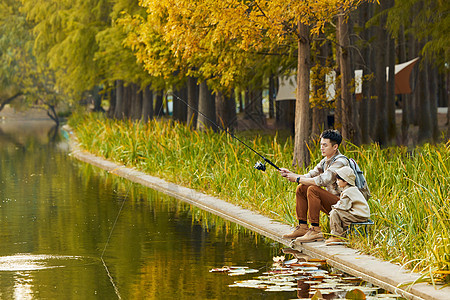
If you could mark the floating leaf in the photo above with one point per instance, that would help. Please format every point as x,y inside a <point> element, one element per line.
<point>223,269</point>
<point>280,289</point>
<point>291,261</point>
<point>355,294</point>
<point>306,268</point>
<point>317,295</point>
<point>237,273</point>
<point>278,258</point>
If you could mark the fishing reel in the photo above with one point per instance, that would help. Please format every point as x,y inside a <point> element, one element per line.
<point>260,166</point>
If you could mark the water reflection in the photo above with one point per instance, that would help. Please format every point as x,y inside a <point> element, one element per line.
<point>23,286</point>
<point>60,213</point>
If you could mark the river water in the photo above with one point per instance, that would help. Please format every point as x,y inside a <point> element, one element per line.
<point>71,231</point>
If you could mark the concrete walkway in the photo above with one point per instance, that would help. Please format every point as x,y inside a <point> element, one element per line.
<point>386,275</point>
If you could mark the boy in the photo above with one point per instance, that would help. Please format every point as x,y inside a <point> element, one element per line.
<point>351,207</point>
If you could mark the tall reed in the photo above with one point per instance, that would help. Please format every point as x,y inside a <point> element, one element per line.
<point>410,204</point>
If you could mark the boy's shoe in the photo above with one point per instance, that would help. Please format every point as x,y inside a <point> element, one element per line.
<point>334,241</point>
<point>300,230</point>
<point>314,234</point>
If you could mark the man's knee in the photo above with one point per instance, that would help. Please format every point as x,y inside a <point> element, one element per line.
<point>313,190</point>
<point>301,190</point>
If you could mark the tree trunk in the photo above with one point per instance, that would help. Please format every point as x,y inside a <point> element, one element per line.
<point>97,99</point>
<point>380,92</point>
<point>302,112</point>
<point>348,124</point>
<point>51,112</point>
<point>319,118</point>
<point>319,110</point>
<point>112,103</point>
<point>147,104</point>
<point>127,100</point>
<point>390,98</point>
<point>434,90</point>
<point>415,107</point>
<point>337,84</point>
<point>224,109</point>
<point>179,108</point>
<point>192,101</point>
<point>254,108</point>
<point>159,105</point>
<point>136,102</point>
<point>447,91</point>
<point>206,108</point>
<point>133,100</point>
<point>272,96</point>
<point>119,110</point>
<point>406,99</point>
<point>366,35</point>
<point>353,57</point>
<point>232,111</point>
<point>425,124</point>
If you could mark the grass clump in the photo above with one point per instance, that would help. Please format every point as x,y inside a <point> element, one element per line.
<point>410,189</point>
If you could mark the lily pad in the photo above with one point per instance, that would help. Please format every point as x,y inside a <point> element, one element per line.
<point>280,289</point>
<point>291,261</point>
<point>355,294</point>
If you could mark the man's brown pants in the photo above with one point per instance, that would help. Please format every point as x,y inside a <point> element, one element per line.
<point>310,200</point>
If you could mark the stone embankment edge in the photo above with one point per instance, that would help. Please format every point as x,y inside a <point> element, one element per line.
<point>389,276</point>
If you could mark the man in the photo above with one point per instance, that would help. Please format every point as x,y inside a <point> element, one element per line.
<point>310,197</point>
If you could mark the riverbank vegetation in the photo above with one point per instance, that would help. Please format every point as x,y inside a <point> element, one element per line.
<point>410,204</point>
<point>128,57</point>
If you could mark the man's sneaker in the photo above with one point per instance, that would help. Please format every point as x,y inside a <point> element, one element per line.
<point>300,230</point>
<point>334,241</point>
<point>314,234</point>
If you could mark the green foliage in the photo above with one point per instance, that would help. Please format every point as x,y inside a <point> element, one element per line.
<point>82,44</point>
<point>15,48</point>
<point>428,21</point>
<point>410,204</point>
<point>19,72</point>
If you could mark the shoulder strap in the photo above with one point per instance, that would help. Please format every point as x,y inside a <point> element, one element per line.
<point>333,159</point>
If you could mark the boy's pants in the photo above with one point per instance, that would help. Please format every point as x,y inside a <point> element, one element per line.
<point>341,219</point>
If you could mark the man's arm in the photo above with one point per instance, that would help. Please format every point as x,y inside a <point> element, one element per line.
<point>292,177</point>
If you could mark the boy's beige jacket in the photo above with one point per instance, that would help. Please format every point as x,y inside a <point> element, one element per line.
<point>353,201</point>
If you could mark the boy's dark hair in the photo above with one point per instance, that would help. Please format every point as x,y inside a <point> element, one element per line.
<point>333,135</point>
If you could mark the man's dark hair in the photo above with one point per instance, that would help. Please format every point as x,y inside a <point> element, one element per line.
<point>333,135</point>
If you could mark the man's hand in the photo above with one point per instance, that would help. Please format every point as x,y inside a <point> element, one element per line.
<point>288,174</point>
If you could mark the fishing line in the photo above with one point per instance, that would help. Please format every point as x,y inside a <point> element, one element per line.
<point>258,165</point>
<point>116,290</point>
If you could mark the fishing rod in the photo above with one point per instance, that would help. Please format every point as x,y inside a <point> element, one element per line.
<point>258,165</point>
